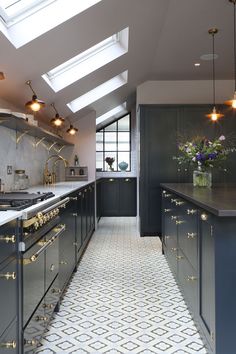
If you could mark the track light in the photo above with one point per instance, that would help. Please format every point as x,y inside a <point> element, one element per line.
<point>72,130</point>
<point>35,104</point>
<point>57,121</point>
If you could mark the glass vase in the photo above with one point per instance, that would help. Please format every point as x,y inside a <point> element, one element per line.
<point>202,179</point>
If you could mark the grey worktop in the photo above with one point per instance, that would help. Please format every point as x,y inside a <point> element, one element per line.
<point>60,190</point>
<point>220,200</point>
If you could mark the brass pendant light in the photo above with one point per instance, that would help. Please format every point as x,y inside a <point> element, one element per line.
<point>214,115</point>
<point>57,121</point>
<point>72,130</point>
<point>35,104</point>
<point>233,101</point>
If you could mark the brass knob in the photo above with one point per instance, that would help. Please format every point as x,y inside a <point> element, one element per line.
<point>73,198</point>
<point>41,318</point>
<point>174,249</point>
<point>191,211</point>
<point>111,179</point>
<point>63,262</point>
<point>191,235</point>
<point>32,342</point>
<point>204,217</point>
<point>8,276</point>
<point>173,217</point>
<point>33,258</point>
<point>167,210</point>
<point>52,268</point>
<point>36,225</point>
<point>56,291</point>
<point>48,306</point>
<point>74,214</point>
<point>173,200</point>
<point>179,222</point>
<point>179,203</point>
<point>167,195</point>
<point>191,278</point>
<point>8,239</point>
<point>178,258</point>
<point>127,180</point>
<point>8,345</point>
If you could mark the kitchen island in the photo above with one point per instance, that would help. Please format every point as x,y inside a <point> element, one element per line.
<point>199,242</point>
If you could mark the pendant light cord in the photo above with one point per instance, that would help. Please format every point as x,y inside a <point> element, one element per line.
<point>213,68</point>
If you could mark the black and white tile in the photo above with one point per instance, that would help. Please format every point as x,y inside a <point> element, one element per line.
<point>123,299</point>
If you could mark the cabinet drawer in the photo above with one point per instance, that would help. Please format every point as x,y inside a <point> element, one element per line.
<point>35,329</point>
<point>8,294</point>
<point>9,340</point>
<point>189,281</point>
<point>8,240</point>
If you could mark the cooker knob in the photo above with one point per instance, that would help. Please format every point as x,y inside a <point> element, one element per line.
<point>45,218</point>
<point>36,225</point>
<point>51,214</point>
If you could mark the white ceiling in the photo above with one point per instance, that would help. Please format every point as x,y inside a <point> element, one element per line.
<point>166,38</point>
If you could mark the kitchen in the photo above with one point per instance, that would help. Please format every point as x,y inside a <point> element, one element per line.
<point>90,177</point>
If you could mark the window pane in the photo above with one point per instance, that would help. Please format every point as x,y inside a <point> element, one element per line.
<point>111,127</point>
<point>109,154</point>
<point>123,124</point>
<point>110,141</point>
<point>124,157</point>
<point>99,161</point>
<point>123,141</point>
<point>99,141</point>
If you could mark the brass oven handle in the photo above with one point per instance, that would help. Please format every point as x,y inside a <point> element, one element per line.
<point>8,345</point>
<point>8,276</point>
<point>58,229</point>
<point>8,239</point>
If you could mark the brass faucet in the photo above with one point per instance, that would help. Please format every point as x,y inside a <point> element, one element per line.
<point>50,177</point>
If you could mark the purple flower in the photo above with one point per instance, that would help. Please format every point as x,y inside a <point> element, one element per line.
<point>212,156</point>
<point>200,157</point>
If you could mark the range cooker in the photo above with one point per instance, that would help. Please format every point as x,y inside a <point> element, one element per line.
<point>21,200</point>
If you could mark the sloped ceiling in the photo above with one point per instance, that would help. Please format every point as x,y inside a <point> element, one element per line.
<point>166,38</point>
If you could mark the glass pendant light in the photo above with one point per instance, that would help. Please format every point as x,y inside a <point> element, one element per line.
<point>35,104</point>
<point>233,101</point>
<point>214,115</point>
<point>72,130</point>
<point>57,121</point>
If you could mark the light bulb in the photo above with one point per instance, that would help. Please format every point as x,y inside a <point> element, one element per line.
<point>214,116</point>
<point>35,106</point>
<point>57,122</point>
<point>72,131</point>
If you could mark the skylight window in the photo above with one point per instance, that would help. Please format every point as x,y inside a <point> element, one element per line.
<point>88,61</point>
<point>98,92</point>
<point>115,112</point>
<point>18,16</point>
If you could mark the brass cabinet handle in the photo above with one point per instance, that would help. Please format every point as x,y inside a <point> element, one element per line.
<point>8,276</point>
<point>41,318</point>
<point>167,210</point>
<point>48,306</point>
<point>63,262</point>
<point>167,195</point>
<point>191,278</point>
<point>111,179</point>
<point>8,239</point>
<point>74,214</point>
<point>191,235</point>
<point>174,249</point>
<point>32,342</point>
<point>179,222</point>
<point>127,180</point>
<point>73,198</point>
<point>173,217</point>
<point>204,217</point>
<point>173,200</point>
<point>8,345</point>
<point>178,258</point>
<point>56,291</point>
<point>191,211</point>
<point>179,203</point>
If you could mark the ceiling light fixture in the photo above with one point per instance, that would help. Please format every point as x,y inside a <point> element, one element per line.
<point>57,121</point>
<point>214,115</point>
<point>35,104</point>
<point>233,101</point>
<point>197,64</point>
<point>72,130</point>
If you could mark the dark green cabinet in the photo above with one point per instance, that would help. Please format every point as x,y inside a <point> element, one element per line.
<point>118,197</point>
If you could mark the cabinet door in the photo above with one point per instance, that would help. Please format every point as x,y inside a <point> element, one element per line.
<point>127,197</point>
<point>84,213</point>
<point>8,240</point>
<point>206,274</point>
<point>78,224</point>
<point>98,199</point>
<point>110,197</point>
<point>158,145</point>
<point>9,340</point>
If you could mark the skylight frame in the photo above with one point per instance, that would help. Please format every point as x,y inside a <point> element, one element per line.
<point>88,61</point>
<point>98,92</point>
<point>114,112</point>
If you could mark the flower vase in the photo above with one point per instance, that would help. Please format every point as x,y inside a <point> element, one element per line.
<point>202,179</point>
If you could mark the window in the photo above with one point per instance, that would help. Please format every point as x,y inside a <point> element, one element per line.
<point>88,61</point>
<point>114,141</point>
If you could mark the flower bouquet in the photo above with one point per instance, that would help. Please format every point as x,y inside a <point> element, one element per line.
<point>109,161</point>
<point>203,154</point>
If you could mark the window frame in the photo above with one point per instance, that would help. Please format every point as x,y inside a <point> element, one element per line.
<point>117,151</point>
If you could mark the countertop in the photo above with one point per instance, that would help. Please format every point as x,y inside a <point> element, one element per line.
<point>220,200</point>
<point>60,190</point>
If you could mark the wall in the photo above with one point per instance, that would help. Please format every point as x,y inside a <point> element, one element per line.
<point>177,92</point>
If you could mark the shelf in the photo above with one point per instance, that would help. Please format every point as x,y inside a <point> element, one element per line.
<point>21,125</point>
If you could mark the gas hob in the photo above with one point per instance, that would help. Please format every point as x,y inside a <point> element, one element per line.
<point>21,200</point>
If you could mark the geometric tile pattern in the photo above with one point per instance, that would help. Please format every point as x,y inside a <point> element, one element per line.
<point>123,299</point>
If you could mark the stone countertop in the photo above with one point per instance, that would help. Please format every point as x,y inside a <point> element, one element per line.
<point>60,190</point>
<point>219,200</point>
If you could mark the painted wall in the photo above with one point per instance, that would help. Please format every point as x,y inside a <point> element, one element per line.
<point>177,92</point>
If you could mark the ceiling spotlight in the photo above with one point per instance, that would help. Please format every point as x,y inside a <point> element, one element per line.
<point>35,104</point>
<point>72,130</point>
<point>214,115</point>
<point>197,64</point>
<point>2,76</point>
<point>57,121</point>
<point>233,101</point>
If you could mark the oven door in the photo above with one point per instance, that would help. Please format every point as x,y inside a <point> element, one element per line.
<point>40,267</point>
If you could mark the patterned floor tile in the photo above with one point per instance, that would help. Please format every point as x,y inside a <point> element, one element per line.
<point>122,300</point>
